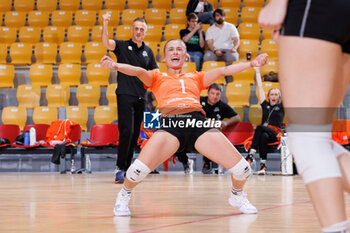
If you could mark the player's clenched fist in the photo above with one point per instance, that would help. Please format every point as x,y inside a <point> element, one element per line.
<point>106,17</point>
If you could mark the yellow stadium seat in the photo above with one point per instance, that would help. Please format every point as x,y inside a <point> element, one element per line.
<point>154,32</point>
<point>189,67</point>
<point>5,5</point>
<point>105,114</point>
<point>88,95</point>
<point>91,4</point>
<point>267,34</point>
<point>172,31</point>
<point>23,5</point>
<point>116,5</point>
<point>8,35</point>
<point>162,4</point>
<point>253,3</point>
<point>69,5</point>
<point>28,95</point>
<point>271,66</point>
<point>29,35</point>
<point>255,114</point>
<point>21,53</point>
<point>210,65</point>
<point>70,52</point>
<point>161,49</point>
<point>3,53</point>
<point>245,76</point>
<point>96,74</point>
<point>270,47</point>
<point>123,32</point>
<point>248,46</point>
<point>180,3</point>
<point>46,5</point>
<point>94,51</point>
<point>54,34</point>
<point>85,18</point>
<point>162,66</point>
<point>231,15</point>
<point>40,74</point>
<point>96,33</point>
<point>230,3</point>
<point>62,18</point>
<point>45,114</point>
<point>155,16</point>
<point>154,46</point>
<point>238,93</point>
<point>110,94</point>
<point>15,19</point>
<point>57,95</point>
<point>250,14</point>
<point>115,17</point>
<point>78,34</point>
<point>45,52</point>
<point>214,3</point>
<point>128,15</point>
<point>15,116</point>
<point>239,111</point>
<point>178,16</point>
<point>38,18</point>
<point>250,31</point>
<point>69,74</point>
<point>138,4</point>
<point>78,114</point>
<point>7,75</point>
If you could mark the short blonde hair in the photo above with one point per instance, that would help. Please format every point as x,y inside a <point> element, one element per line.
<point>278,92</point>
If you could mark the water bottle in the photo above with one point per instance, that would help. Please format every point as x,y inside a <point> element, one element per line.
<point>26,138</point>
<point>88,164</point>
<point>221,170</point>
<point>32,136</point>
<point>72,167</point>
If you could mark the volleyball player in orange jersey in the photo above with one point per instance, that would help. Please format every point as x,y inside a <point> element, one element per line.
<point>178,93</point>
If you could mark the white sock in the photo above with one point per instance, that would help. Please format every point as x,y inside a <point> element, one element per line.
<point>236,191</point>
<point>124,191</point>
<point>340,227</point>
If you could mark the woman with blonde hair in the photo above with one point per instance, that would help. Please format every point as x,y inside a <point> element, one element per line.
<point>177,95</point>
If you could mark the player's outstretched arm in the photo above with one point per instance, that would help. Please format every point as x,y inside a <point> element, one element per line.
<point>213,75</point>
<point>144,75</point>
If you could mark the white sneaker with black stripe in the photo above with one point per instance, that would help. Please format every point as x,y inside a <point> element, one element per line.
<point>121,207</point>
<point>241,201</point>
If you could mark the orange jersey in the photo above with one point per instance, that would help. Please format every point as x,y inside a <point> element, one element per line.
<point>177,93</point>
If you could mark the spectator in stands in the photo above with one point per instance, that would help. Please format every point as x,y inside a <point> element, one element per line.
<point>203,9</point>
<point>270,129</point>
<point>314,70</point>
<point>177,95</point>
<point>222,39</point>
<point>130,91</point>
<point>194,38</point>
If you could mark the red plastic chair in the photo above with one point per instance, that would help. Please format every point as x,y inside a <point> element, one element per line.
<point>239,132</point>
<point>103,135</point>
<point>40,131</point>
<point>10,132</point>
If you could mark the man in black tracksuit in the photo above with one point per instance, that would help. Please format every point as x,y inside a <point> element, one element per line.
<point>130,91</point>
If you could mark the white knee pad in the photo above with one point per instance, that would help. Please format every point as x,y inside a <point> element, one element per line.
<point>137,171</point>
<point>241,171</point>
<point>314,151</point>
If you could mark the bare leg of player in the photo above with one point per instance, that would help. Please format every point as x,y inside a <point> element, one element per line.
<point>313,85</point>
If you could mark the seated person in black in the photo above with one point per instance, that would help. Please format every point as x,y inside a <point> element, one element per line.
<point>203,9</point>
<point>214,109</point>
<point>271,123</point>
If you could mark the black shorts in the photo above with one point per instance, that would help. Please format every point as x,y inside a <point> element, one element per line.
<point>321,19</point>
<point>187,132</point>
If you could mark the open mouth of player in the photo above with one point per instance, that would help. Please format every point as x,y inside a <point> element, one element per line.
<point>175,59</point>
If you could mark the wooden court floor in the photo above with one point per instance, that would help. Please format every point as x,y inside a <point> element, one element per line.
<point>162,203</point>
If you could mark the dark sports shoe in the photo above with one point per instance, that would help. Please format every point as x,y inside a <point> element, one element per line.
<point>119,177</point>
<point>262,170</point>
<point>249,158</point>
<point>154,172</point>
<point>206,169</point>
